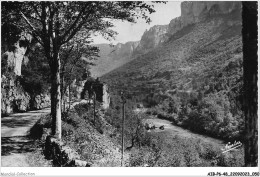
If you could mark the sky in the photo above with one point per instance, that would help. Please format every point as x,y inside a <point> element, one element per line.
<point>134,31</point>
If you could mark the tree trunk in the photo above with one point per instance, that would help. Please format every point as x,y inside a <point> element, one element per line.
<point>249,31</point>
<point>56,97</point>
<point>62,91</point>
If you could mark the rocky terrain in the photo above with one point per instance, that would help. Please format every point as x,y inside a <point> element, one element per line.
<point>14,97</point>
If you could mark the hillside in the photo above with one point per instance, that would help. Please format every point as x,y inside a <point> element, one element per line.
<point>195,53</point>
<point>111,57</point>
<point>195,75</point>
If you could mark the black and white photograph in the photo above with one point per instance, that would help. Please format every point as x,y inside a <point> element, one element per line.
<point>129,84</point>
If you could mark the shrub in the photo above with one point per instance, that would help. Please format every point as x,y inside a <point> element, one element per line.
<point>145,156</point>
<point>82,108</point>
<point>67,130</point>
<point>231,159</point>
<point>37,130</point>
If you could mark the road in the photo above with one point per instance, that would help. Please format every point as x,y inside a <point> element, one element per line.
<point>172,130</point>
<point>15,144</point>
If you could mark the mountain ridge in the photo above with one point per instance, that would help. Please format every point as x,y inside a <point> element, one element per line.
<point>191,13</point>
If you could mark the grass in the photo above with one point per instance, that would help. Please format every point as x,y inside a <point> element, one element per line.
<point>36,158</point>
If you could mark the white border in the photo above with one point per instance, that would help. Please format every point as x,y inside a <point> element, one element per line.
<point>126,171</point>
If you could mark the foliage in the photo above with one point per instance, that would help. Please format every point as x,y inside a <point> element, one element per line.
<point>147,155</point>
<point>55,24</point>
<point>36,131</point>
<point>36,73</point>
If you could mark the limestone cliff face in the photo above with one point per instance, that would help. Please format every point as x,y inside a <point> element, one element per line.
<point>123,50</point>
<point>191,12</point>
<point>15,99</point>
<point>13,96</point>
<point>16,55</point>
<point>196,11</point>
<point>152,38</point>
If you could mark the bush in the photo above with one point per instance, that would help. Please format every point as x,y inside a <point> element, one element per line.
<point>82,108</point>
<point>73,118</point>
<point>36,131</point>
<point>231,159</point>
<point>145,156</point>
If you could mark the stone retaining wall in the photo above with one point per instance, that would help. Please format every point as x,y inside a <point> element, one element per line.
<point>61,155</point>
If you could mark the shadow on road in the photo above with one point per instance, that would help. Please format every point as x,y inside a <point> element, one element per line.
<point>22,119</point>
<point>14,122</point>
<point>19,144</point>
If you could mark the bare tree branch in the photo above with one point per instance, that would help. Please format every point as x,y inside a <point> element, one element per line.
<point>36,35</point>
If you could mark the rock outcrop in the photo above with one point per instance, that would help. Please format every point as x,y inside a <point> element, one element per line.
<point>152,38</point>
<point>101,90</point>
<point>16,55</point>
<point>122,50</point>
<point>191,12</point>
<point>197,11</point>
<point>41,101</point>
<point>15,99</point>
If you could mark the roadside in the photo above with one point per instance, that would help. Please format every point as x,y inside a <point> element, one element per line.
<point>17,149</point>
<point>172,130</point>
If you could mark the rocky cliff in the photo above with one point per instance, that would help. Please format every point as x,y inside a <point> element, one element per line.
<point>190,53</point>
<point>123,50</point>
<point>197,11</point>
<point>112,57</point>
<point>191,13</point>
<point>14,98</point>
<point>152,38</point>
<point>16,54</point>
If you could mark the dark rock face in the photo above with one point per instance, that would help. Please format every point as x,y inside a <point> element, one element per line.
<point>41,101</point>
<point>15,99</point>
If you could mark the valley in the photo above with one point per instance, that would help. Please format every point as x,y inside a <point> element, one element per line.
<point>190,72</point>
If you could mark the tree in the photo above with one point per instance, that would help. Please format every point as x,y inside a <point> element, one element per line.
<point>75,61</point>
<point>135,131</point>
<point>249,30</point>
<point>54,24</point>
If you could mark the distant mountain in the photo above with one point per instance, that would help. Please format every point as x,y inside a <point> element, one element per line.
<point>112,57</point>
<point>202,46</point>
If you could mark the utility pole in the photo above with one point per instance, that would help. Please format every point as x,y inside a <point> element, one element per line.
<point>123,126</point>
<point>69,97</point>
<point>94,103</point>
